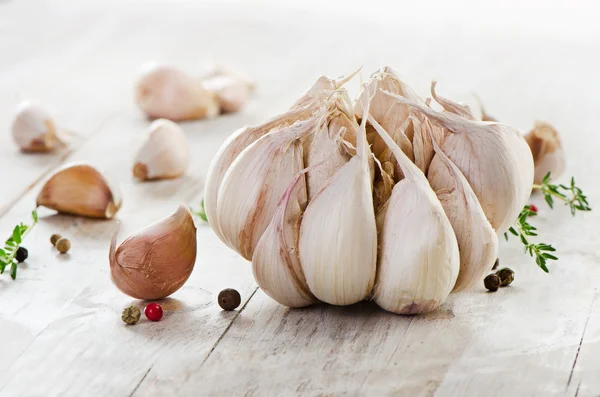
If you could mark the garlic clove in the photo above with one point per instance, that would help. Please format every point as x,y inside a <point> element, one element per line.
<point>547,151</point>
<point>231,149</point>
<point>79,189</point>
<point>165,154</point>
<point>275,263</point>
<point>418,253</point>
<point>166,92</point>
<point>157,260</point>
<point>338,235</point>
<point>256,181</point>
<point>232,93</point>
<point>424,134</point>
<point>477,240</point>
<point>494,158</point>
<point>33,129</point>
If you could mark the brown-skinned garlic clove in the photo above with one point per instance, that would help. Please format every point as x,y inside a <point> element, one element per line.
<point>157,260</point>
<point>548,154</point>
<point>232,93</point>
<point>169,93</point>
<point>164,154</point>
<point>33,129</point>
<point>80,189</point>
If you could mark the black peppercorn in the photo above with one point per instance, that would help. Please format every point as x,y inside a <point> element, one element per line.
<point>21,254</point>
<point>492,282</point>
<point>506,275</point>
<point>229,299</point>
<point>496,264</point>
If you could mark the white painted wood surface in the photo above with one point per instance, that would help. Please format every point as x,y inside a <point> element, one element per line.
<point>60,321</point>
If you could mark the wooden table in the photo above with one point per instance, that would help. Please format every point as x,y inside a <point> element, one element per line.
<point>60,327</point>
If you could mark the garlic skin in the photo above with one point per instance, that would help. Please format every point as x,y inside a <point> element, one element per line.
<point>477,240</point>
<point>500,169</point>
<point>418,252</point>
<point>166,92</point>
<point>338,235</point>
<point>232,93</point>
<point>451,106</point>
<point>231,149</point>
<point>547,151</point>
<point>79,189</point>
<point>156,261</point>
<point>256,181</point>
<point>33,129</point>
<point>275,263</point>
<point>164,154</point>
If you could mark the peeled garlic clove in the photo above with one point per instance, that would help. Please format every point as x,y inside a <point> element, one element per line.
<point>418,258</point>
<point>493,157</point>
<point>548,154</point>
<point>157,260</point>
<point>33,129</point>
<point>79,189</point>
<point>338,236</point>
<point>231,149</point>
<point>166,92</point>
<point>255,182</point>
<point>165,154</point>
<point>232,93</point>
<point>477,240</point>
<point>275,263</point>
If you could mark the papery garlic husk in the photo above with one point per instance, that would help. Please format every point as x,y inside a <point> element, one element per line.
<point>34,130</point>
<point>383,185</point>
<point>338,236</point>
<point>548,154</point>
<point>321,89</point>
<point>164,154</point>
<point>256,181</point>
<point>80,189</point>
<point>169,93</point>
<point>275,263</point>
<point>327,145</point>
<point>231,149</point>
<point>453,107</point>
<point>423,135</point>
<point>157,260</point>
<point>494,158</point>
<point>418,252</point>
<point>232,93</point>
<point>477,240</point>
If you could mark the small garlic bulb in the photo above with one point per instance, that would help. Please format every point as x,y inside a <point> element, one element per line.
<point>164,154</point>
<point>418,253</point>
<point>157,260</point>
<point>338,235</point>
<point>232,92</point>
<point>548,154</point>
<point>493,157</point>
<point>79,189</point>
<point>33,129</point>
<point>275,263</point>
<point>168,93</point>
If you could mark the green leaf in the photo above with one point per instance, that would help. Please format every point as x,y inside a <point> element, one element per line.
<point>549,201</point>
<point>549,256</point>
<point>13,270</point>
<point>17,234</point>
<point>513,231</point>
<point>34,215</point>
<point>524,240</point>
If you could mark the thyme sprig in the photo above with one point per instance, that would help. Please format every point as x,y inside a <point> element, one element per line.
<point>12,244</point>
<point>571,195</point>
<point>523,229</point>
<point>201,212</point>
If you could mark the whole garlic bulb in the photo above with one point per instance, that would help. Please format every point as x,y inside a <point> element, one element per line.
<point>80,189</point>
<point>169,93</point>
<point>547,151</point>
<point>157,260</point>
<point>164,154</point>
<point>33,129</point>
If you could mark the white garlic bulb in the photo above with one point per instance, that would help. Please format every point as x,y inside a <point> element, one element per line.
<point>547,151</point>
<point>80,189</point>
<point>164,154</point>
<point>33,129</point>
<point>418,258</point>
<point>169,93</point>
<point>338,235</point>
<point>493,157</point>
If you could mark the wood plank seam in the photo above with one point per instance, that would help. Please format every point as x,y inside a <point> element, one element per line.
<point>141,380</point>
<point>587,320</point>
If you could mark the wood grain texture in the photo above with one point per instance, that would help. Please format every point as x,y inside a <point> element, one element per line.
<point>60,320</point>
